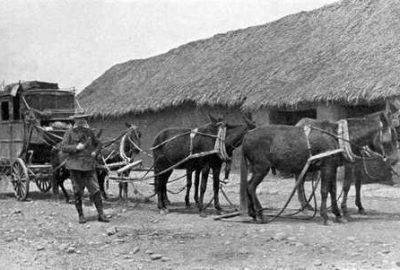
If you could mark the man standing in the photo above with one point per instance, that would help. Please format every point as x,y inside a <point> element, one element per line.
<point>81,146</point>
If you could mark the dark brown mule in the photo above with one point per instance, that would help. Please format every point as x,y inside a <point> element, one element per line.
<point>286,148</point>
<point>354,172</point>
<point>171,146</point>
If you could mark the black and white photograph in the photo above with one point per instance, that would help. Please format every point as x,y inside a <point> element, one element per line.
<point>199,134</point>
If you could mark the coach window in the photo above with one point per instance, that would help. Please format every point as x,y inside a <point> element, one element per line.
<point>16,113</point>
<point>5,111</point>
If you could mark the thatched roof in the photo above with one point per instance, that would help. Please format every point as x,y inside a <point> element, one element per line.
<point>347,52</point>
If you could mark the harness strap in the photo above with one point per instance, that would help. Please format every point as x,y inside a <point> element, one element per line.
<point>122,150</point>
<point>220,146</point>
<point>344,140</point>
<point>193,133</point>
<point>307,131</point>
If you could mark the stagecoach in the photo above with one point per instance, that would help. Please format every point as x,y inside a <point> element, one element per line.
<point>34,117</point>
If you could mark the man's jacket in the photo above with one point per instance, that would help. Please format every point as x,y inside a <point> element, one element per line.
<point>80,160</point>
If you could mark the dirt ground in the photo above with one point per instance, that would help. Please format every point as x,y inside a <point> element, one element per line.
<point>42,233</point>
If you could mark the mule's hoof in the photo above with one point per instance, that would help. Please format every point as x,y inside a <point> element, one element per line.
<point>306,208</point>
<point>362,212</point>
<point>328,222</point>
<point>341,220</point>
<point>347,216</point>
<point>346,213</point>
<point>164,211</point>
<point>56,197</point>
<point>82,220</point>
<point>260,220</point>
<point>202,214</point>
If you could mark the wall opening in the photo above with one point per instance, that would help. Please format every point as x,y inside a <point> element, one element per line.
<point>291,117</point>
<point>362,110</point>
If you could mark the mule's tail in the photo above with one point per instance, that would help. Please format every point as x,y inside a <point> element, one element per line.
<point>243,184</point>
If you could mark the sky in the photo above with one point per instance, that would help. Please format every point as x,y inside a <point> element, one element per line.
<point>73,42</point>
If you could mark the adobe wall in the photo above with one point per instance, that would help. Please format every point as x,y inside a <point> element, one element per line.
<point>332,112</point>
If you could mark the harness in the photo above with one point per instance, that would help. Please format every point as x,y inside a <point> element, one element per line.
<point>344,141</point>
<point>343,137</point>
<point>219,146</point>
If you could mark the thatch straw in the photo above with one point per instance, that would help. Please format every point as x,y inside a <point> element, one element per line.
<point>347,52</point>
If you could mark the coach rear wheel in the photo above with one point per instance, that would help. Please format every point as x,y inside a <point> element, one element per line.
<point>20,179</point>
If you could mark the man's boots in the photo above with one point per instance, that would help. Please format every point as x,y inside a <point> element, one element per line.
<point>99,206</point>
<point>78,205</point>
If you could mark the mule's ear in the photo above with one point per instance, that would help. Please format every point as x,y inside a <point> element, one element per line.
<point>248,119</point>
<point>212,118</point>
<point>248,115</point>
<point>98,135</point>
<point>386,120</point>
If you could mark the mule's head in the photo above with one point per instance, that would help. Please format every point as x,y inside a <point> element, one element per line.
<point>388,138</point>
<point>393,111</point>
<point>383,136</point>
<point>131,141</point>
<point>235,133</point>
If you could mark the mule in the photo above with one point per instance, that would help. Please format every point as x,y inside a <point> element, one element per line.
<point>126,150</point>
<point>354,172</point>
<point>173,145</point>
<point>128,143</point>
<point>287,148</point>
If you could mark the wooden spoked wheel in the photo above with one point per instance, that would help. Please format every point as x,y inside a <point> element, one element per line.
<point>20,179</point>
<point>43,183</point>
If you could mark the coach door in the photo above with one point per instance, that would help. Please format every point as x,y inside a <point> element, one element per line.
<point>11,128</point>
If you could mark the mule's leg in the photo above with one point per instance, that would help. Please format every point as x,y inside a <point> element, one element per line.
<point>165,194</point>
<point>255,208</point>
<point>358,178</point>
<point>163,186</point>
<point>301,193</point>
<point>333,194</point>
<point>125,189</point>
<point>120,191</point>
<point>125,185</point>
<point>348,178</point>
<point>160,186</point>
<point>188,186</point>
<point>54,183</point>
<point>324,195</point>
<point>328,181</point>
<point>216,172</point>
<point>101,176</point>
<point>64,191</point>
<point>196,186</point>
<point>203,187</point>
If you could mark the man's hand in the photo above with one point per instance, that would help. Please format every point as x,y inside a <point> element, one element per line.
<point>80,146</point>
<point>93,154</point>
